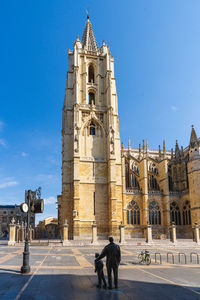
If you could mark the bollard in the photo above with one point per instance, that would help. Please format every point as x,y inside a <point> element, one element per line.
<point>65,240</point>
<point>12,233</point>
<point>173,230</point>
<point>196,232</point>
<point>94,232</point>
<point>194,253</point>
<point>169,253</point>
<point>157,253</point>
<point>179,257</point>
<point>121,228</point>
<point>148,233</point>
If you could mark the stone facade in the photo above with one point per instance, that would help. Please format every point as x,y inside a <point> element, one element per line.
<point>105,182</point>
<point>7,212</point>
<point>47,229</point>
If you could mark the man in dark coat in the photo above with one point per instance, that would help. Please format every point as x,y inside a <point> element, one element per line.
<point>113,257</point>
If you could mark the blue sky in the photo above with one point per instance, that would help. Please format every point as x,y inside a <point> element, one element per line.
<point>156,45</point>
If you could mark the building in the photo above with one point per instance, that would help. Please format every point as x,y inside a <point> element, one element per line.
<point>105,182</point>
<point>7,212</point>
<point>47,228</point>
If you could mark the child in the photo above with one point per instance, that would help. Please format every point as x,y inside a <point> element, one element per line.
<point>99,270</point>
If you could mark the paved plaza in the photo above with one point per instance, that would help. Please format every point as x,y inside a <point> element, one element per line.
<point>68,273</point>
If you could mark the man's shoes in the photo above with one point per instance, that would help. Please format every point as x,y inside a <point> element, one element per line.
<point>98,286</point>
<point>116,287</point>
<point>105,287</point>
<point>110,287</point>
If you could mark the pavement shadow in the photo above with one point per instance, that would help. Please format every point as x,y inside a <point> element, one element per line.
<point>10,270</point>
<point>74,287</point>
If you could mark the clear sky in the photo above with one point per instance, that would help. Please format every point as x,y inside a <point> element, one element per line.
<point>156,45</point>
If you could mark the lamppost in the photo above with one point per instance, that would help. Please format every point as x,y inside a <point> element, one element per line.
<point>25,267</point>
<point>33,204</point>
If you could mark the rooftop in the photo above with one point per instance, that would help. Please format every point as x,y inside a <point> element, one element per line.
<point>9,206</point>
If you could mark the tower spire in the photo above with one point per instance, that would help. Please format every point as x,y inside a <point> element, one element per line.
<point>88,39</point>
<point>177,151</point>
<point>129,142</point>
<point>193,137</point>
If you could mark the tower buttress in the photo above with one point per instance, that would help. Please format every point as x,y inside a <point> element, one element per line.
<point>194,176</point>
<point>91,150</point>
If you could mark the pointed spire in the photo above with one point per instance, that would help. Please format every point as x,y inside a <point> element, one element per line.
<point>172,154</point>
<point>129,143</point>
<point>177,151</point>
<point>88,38</point>
<point>139,151</point>
<point>193,137</point>
<point>159,151</point>
<point>147,146</point>
<point>182,152</point>
<point>164,149</point>
<point>143,146</point>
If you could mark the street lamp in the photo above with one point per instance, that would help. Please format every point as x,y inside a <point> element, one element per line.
<point>33,204</point>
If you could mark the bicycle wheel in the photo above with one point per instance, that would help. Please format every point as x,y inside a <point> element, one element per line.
<point>140,257</point>
<point>148,260</point>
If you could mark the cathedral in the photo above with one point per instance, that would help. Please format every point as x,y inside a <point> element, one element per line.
<point>110,184</point>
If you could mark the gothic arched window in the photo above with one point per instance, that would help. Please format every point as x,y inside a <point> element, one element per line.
<point>133,213</point>
<point>170,183</point>
<point>135,168</point>
<point>186,213</point>
<point>91,74</point>
<point>153,185</point>
<point>91,98</point>
<point>92,128</point>
<point>175,214</point>
<point>134,182</point>
<point>154,214</point>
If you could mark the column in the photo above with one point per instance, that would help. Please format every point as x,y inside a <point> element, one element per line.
<point>94,232</point>
<point>121,228</point>
<point>12,233</point>
<point>164,185</point>
<point>144,187</point>
<point>173,233</point>
<point>65,233</point>
<point>196,232</point>
<point>148,233</point>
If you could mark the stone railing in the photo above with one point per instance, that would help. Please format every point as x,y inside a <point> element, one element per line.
<point>154,192</point>
<point>133,191</point>
<point>178,193</point>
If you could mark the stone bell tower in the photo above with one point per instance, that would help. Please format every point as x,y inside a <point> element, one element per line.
<point>194,176</point>
<point>91,153</point>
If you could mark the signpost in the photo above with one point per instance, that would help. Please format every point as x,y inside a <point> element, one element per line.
<point>33,204</point>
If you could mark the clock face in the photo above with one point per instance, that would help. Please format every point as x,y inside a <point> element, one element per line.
<point>24,207</point>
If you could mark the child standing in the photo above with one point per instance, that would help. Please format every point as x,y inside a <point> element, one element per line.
<point>99,270</point>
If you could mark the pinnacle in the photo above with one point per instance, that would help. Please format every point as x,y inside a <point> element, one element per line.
<point>88,38</point>
<point>193,137</point>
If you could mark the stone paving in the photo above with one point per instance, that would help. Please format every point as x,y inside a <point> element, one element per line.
<point>68,273</point>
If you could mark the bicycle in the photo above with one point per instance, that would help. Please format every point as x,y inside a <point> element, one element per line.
<point>144,257</point>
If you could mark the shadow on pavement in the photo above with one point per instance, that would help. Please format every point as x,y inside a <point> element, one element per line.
<point>70,286</point>
<point>10,270</point>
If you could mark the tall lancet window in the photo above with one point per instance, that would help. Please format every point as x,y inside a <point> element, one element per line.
<point>91,74</point>
<point>91,98</point>
<point>92,128</point>
<point>186,213</point>
<point>154,214</point>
